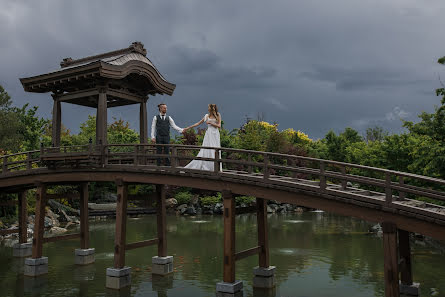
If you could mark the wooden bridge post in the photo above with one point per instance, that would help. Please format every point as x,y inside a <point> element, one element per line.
<point>161,264</point>
<point>262,232</point>
<point>264,275</point>
<point>22,248</point>
<point>229,237</point>
<point>406,279</point>
<point>161,220</point>
<point>391,270</point>
<point>38,265</point>
<point>121,225</point>
<point>229,287</point>
<point>23,217</point>
<point>39,222</point>
<point>322,176</point>
<point>119,276</point>
<point>84,255</point>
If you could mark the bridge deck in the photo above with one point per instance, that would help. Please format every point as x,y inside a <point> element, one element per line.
<point>366,187</point>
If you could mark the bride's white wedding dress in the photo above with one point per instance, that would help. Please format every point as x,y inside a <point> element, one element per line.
<point>211,139</point>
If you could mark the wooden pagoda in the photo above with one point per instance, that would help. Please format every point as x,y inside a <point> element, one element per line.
<point>116,78</point>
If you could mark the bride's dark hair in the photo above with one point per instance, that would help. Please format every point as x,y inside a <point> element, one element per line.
<point>213,110</point>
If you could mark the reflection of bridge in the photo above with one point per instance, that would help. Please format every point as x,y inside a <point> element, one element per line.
<point>371,194</point>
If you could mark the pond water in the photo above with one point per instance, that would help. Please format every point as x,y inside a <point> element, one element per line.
<point>316,254</point>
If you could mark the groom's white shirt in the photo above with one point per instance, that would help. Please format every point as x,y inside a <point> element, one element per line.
<point>172,124</point>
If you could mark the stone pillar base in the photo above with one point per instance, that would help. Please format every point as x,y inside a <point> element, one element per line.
<point>162,265</point>
<point>409,291</point>
<point>118,278</point>
<point>36,267</point>
<point>84,256</point>
<point>264,277</point>
<point>229,289</point>
<point>22,250</point>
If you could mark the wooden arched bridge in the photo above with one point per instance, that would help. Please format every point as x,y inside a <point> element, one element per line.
<point>372,194</point>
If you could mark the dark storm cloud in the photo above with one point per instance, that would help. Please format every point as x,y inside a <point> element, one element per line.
<point>201,67</point>
<point>361,79</point>
<point>310,65</point>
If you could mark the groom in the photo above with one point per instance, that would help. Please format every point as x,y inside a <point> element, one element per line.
<point>160,132</point>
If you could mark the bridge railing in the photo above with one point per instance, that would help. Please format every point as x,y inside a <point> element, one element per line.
<point>385,186</point>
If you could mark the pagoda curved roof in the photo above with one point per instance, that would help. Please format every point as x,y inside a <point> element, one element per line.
<point>114,65</point>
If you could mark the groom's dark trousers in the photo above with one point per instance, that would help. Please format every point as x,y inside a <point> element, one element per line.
<point>163,149</point>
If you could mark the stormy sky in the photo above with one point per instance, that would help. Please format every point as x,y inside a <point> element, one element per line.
<point>312,65</point>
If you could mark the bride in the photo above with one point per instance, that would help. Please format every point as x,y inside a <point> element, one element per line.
<point>211,139</point>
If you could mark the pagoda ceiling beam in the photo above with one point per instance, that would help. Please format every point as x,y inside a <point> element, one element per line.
<point>79,94</point>
<point>126,95</point>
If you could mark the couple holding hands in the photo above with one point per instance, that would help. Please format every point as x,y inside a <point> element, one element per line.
<point>160,134</point>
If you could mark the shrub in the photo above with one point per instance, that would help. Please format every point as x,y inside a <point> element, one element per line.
<point>247,200</point>
<point>183,197</point>
<point>211,200</point>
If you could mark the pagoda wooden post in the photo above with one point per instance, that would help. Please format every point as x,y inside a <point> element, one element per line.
<point>143,129</point>
<point>57,121</point>
<point>101,117</point>
<point>391,270</point>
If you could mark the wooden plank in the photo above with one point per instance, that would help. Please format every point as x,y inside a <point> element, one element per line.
<point>37,241</point>
<point>84,228</point>
<point>406,276</point>
<point>61,237</point>
<point>121,224</point>
<point>23,217</point>
<point>391,270</point>
<point>263,241</point>
<point>9,203</point>
<point>9,231</point>
<point>139,244</point>
<point>248,253</point>
<point>161,221</point>
<point>229,236</point>
<point>69,196</point>
<point>150,196</point>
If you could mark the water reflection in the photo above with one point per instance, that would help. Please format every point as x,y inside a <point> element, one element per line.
<point>316,254</point>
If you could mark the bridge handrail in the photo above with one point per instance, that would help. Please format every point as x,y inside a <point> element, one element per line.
<point>101,149</point>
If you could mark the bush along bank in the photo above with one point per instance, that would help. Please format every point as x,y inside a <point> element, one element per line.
<point>185,202</point>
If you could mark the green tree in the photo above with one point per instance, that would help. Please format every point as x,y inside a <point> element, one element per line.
<point>10,139</point>
<point>31,127</point>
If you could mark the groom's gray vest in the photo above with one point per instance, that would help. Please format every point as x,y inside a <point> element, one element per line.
<point>162,126</point>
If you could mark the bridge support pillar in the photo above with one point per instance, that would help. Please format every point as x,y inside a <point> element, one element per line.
<point>23,248</point>
<point>229,286</point>
<point>38,265</point>
<point>407,287</point>
<point>84,255</point>
<point>390,251</point>
<point>161,264</point>
<point>119,276</point>
<point>264,275</point>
